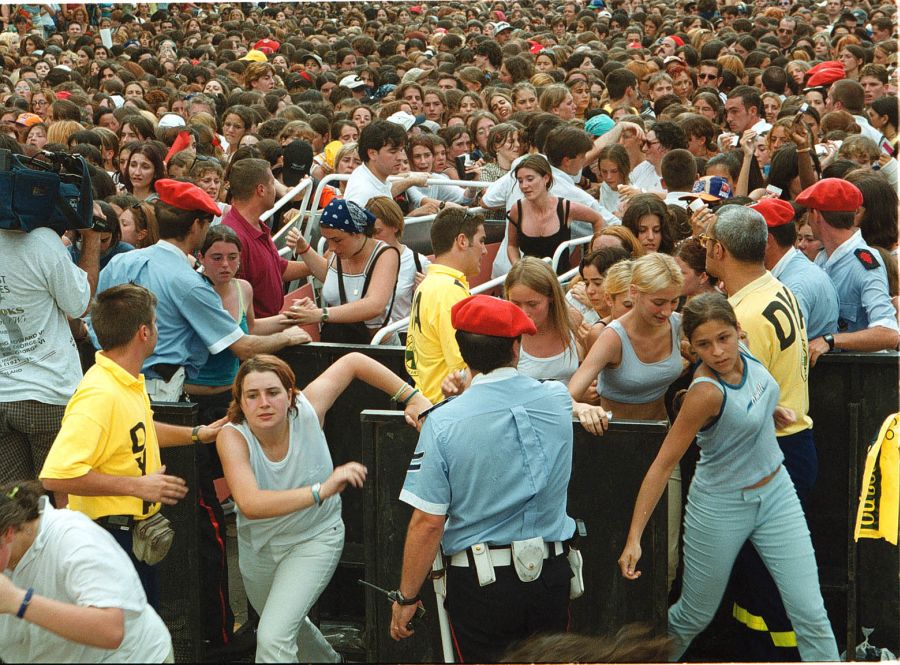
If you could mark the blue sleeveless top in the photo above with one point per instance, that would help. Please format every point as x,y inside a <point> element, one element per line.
<point>636,382</point>
<point>739,448</point>
<point>221,368</point>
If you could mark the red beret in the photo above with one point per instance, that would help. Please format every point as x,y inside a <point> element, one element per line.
<point>185,196</point>
<point>825,77</point>
<point>776,212</point>
<point>831,195</point>
<point>264,44</point>
<point>485,315</point>
<point>828,64</point>
<point>678,40</point>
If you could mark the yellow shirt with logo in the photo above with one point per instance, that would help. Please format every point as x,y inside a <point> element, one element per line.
<point>776,334</point>
<point>107,428</point>
<point>431,349</point>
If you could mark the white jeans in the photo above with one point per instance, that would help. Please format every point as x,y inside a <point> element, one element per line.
<point>282,584</point>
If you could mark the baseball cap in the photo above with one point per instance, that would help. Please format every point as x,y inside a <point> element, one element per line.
<point>297,159</point>
<point>352,82</point>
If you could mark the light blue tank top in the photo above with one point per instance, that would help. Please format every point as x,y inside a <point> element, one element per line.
<point>636,382</point>
<point>560,367</point>
<point>221,368</point>
<point>307,462</point>
<point>739,448</point>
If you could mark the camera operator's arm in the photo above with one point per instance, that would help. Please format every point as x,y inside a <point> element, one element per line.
<point>89,261</point>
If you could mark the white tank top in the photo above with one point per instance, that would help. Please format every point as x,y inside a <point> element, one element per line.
<point>308,461</point>
<point>560,367</point>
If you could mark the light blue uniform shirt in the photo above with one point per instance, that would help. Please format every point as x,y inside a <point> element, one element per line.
<point>862,292</point>
<point>189,314</point>
<point>497,461</point>
<point>815,292</point>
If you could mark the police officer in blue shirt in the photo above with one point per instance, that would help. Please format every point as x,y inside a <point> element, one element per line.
<point>191,318</point>
<point>867,319</point>
<point>816,295</point>
<point>488,483</point>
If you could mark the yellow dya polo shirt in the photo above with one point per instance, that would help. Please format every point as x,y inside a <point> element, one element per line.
<point>107,428</point>
<point>776,334</point>
<point>431,349</point>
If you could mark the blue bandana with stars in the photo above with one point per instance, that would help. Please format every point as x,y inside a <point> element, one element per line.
<point>346,216</point>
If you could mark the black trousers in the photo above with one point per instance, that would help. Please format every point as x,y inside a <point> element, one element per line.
<point>214,600</point>
<point>486,621</point>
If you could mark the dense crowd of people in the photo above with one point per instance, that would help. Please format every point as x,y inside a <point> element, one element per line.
<point>731,166</point>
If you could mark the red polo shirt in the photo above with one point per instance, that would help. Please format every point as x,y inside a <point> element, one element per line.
<point>260,264</point>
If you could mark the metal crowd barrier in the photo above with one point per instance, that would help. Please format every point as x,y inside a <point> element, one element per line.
<point>624,454</point>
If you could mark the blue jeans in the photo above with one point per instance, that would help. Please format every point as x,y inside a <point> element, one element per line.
<point>770,517</point>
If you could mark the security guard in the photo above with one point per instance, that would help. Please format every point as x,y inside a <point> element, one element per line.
<point>868,321</point>
<point>816,295</point>
<point>494,464</point>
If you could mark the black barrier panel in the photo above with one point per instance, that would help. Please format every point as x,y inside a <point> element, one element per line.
<point>606,476</point>
<point>179,571</point>
<point>850,396</point>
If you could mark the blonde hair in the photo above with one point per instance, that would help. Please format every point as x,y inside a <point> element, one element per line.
<point>539,277</point>
<point>626,237</point>
<point>388,212</point>
<point>204,119</point>
<point>298,129</point>
<point>60,131</point>
<point>655,272</point>
<point>618,278</point>
<point>552,96</point>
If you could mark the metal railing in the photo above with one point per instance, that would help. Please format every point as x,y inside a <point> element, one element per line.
<point>563,246</point>
<point>292,193</point>
<point>402,324</point>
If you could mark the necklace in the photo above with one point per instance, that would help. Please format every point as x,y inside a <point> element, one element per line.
<point>365,242</point>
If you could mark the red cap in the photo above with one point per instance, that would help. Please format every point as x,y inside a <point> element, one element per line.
<point>678,40</point>
<point>831,195</point>
<point>267,43</point>
<point>185,196</point>
<point>62,94</point>
<point>416,9</point>
<point>777,212</point>
<point>486,315</point>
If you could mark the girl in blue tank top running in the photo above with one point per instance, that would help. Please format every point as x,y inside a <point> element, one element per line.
<point>740,490</point>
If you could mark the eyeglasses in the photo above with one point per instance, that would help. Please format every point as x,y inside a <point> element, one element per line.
<point>646,143</point>
<point>785,31</point>
<point>707,76</point>
<point>705,240</point>
<point>40,102</point>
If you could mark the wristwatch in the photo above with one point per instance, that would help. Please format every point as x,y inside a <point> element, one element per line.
<point>403,600</point>
<point>829,340</point>
<point>195,434</point>
<point>324,315</point>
